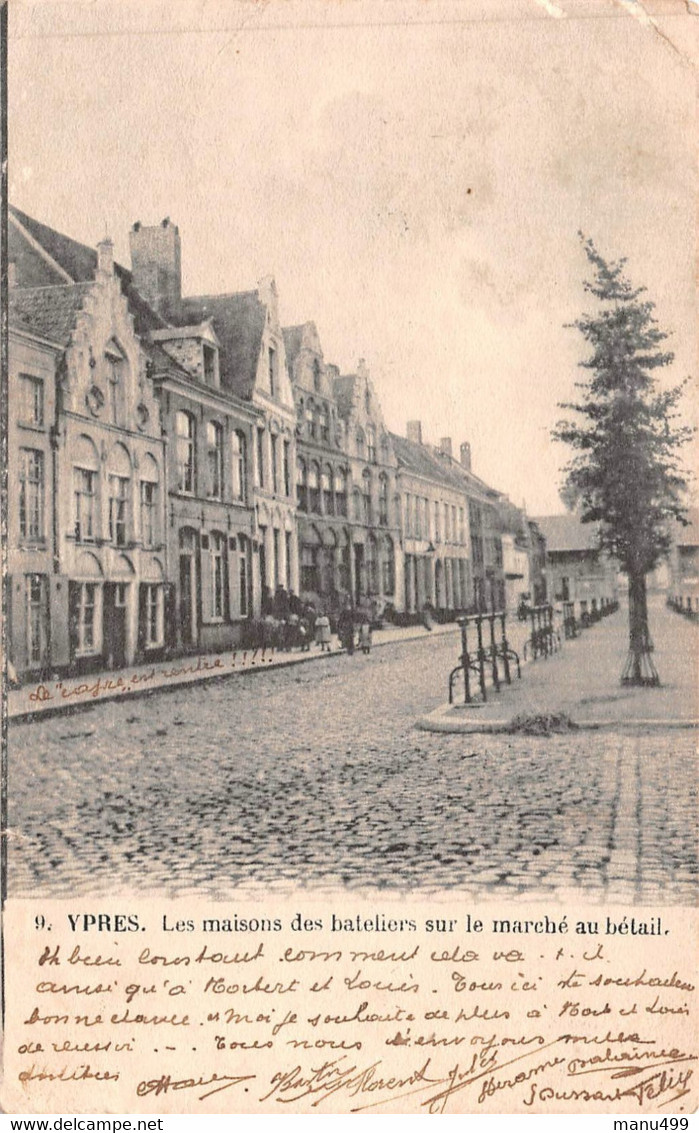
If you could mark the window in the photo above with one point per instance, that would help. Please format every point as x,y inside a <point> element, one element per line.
<point>311,421</point>
<point>418,517</point>
<point>287,547</point>
<point>185,430</point>
<point>372,577</point>
<point>454,531</point>
<point>209,353</point>
<point>272,360</point>
<point>447,533</point>
<point>243,587</point>
<point>437,529</point>
<point>31,405</point>
<point>309,568</point>
<point>366,497</point>
<point>286,468</point>
<point>36,617</point>
<point>301,486</point>
<point>361,444</point>
<point>216,551</point>
<point>239,469</point>
<point>260,454</point>
<point>118,510</point>
<point>276,551</point>
<point>326,484</point>
<point>115,375</point>
<point>84,482</point>
<point>149,503</point>
<point>409,520</point>
<point>214,446</point>
<point>388,572</point>
<point>316,375</point>
<point>154,606</point>
<point>371,444</point>
<point>323,424</point>
<point>275,457</point>
<point>357,505</point>
<point>87,618</point>
<point>383,500</point>
<point>313,487</point>
<point>31,494</point>
<point>341,492</point>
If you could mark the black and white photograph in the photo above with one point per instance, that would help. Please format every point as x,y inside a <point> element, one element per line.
<point>352,541</point>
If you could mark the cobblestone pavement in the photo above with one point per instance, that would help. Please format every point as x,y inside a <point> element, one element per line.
<point>315,776</point>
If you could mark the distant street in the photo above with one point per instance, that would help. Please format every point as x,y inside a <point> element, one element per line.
<point>315,776</point>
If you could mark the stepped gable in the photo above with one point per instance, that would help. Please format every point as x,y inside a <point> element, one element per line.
<point>67,258</point>
<point>49,312</point>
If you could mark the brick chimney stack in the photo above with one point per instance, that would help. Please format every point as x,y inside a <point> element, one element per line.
<point>156,262</point>
<point>414,432</point>
<point>445,446</point>
<point>466,456</point>
<point>105,256</point>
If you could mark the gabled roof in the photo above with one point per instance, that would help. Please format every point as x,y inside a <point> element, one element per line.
<point>293,337</point>
<point>239,322</point>
<point>567,533</point>
<point>47,311</point>
<point>343,392</point>
<point>75,260</point>
<point>425,461</point>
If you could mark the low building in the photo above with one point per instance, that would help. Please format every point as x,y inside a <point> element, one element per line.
<point>577,571</point>
<point>683,590</point>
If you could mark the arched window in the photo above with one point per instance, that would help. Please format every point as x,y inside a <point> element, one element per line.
<point>326,483</point>
<point>239,466</point>
<point>150,528</point>
<point>313,487</point>
<point>301,485</point>
<point>341,492</point>
<point>361,443</point>
<point>116,380</point>
<point>366,496</point>
<point>357,505</point>
<point>214,454</point>
<point>85,485</point>
<point>311,426</point>
<point>371,444</point>
<point>185,430</point>
<point>119,479</point>
<point>383,500</point>
<point>323,425</point>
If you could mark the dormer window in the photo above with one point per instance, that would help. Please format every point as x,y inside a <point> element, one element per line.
<point>209,364</point>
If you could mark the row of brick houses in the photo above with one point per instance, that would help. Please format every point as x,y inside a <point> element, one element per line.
<point>185,466</point>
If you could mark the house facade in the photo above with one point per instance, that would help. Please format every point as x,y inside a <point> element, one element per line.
<point>577,571</point>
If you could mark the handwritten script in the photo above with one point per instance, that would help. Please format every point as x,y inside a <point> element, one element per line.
<point>336,1009</point>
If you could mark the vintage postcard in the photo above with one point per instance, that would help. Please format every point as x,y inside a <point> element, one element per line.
<point>351,557</point>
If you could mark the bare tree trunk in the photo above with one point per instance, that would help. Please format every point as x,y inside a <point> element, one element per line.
<point>639,668</point>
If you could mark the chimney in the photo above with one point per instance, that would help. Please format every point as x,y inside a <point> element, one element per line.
<point>466,456</point>
<point>445,446</point>
<point>414,432</point>
<point>105,257</point>
<point>156,263</point>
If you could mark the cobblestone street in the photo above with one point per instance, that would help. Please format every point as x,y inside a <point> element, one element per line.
<point>315,776</point>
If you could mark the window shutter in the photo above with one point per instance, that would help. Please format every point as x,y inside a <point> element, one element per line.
<point>141,638</point>
<point>205,579</point>
<point>73,604</point>
<point>170,614</point>
<point>232,578</point>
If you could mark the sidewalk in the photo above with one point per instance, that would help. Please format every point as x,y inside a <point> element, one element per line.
<point>74,693</point>
<point>582,682</point>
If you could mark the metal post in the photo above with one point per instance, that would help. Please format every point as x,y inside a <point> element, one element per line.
<point>494,653</point>
<point>505,648</point>
<point>464,659</point>
<point>481,656</point>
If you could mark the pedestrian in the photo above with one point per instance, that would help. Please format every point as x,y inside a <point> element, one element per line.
<point>345,629</point>
<point>323,633</point>
<point>365,637</point>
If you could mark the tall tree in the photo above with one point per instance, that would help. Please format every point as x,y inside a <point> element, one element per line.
<point>626,474</point>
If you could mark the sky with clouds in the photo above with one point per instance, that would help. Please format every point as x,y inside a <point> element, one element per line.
<point>414,174</point>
